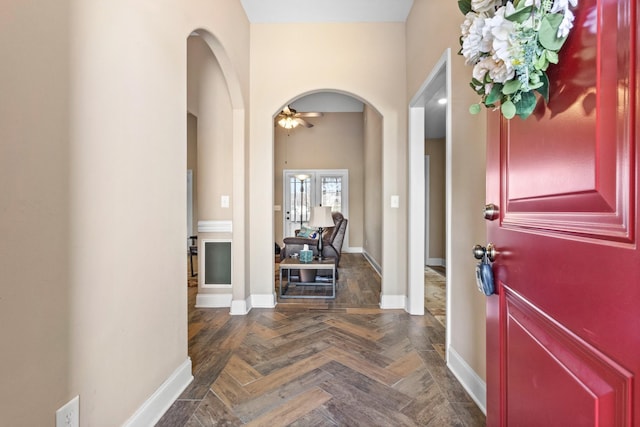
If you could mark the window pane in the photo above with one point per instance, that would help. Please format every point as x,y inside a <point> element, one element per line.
<point>300,199</point>
<point>331,187</point>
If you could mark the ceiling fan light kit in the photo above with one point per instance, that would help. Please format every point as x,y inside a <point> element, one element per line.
<point>290,118</point>
<point>288,123</point>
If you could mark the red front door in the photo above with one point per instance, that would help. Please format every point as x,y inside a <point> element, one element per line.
<point>563,330</point>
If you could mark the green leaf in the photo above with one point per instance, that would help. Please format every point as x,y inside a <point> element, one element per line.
<point>495,95</point>
<point>508,110</point>
<point>478,91</point>
<point>548,34</point>
<point>526,104</point>
<point>533,86</point>
<point>521,15</point>
<point>511,86</point>
<point>552,56</point>
<point>541,63</point>
<point>475,108</point>
<point>534,77</point>
<point>544,89</point>
<point>464,6</point>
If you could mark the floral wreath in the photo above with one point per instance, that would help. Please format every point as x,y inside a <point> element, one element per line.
<point>510,44</point>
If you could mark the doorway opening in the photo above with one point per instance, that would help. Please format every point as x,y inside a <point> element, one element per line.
<point>337,162</point>
<point>430,177</point>
<point>304,189</point>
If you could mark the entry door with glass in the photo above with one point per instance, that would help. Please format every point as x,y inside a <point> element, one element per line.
<point>304,189</point>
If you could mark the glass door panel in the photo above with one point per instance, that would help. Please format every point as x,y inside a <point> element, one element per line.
<point>331,192</point>
<point>298,199</point>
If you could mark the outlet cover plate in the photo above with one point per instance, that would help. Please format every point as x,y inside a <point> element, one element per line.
<point>69,414</point>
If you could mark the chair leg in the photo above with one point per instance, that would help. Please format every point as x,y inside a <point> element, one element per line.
<point>191,264</point>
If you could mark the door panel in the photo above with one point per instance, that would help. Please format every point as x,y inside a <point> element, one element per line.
<point>582,386</point>
<point>298,201</point>
<point>563,340</point>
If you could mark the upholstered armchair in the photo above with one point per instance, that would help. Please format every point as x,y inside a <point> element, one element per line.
<point>332,239</point>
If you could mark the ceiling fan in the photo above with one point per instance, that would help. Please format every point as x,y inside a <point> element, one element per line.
<point>290,118</point>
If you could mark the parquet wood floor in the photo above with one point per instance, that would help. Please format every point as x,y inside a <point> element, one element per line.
<point>320,363</point>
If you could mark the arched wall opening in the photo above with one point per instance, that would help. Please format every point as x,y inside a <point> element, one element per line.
<point>346,140</point>
<point>216,106</point>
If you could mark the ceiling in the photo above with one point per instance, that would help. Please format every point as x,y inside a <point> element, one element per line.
<point>286,11</point>
<point>265,11</point>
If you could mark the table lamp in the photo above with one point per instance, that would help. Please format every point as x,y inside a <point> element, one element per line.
<point>321,218</point>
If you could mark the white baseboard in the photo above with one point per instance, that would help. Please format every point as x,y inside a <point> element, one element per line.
<point>263,300</point>
<point>471,382</point>
<point>390,302</point>
<point>213,300</point>
<point>373,263</point>
<point>239,307</point>
<point>161,400</point>
<point>437,261</point>
<point>353,250</point>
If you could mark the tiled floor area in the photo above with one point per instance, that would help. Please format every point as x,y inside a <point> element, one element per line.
<point>320,363</point>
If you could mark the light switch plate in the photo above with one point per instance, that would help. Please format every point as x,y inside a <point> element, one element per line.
<point>224,201</point>
<point>395,201</point>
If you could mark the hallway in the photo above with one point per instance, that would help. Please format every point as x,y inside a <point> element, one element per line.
<point>312,365</point>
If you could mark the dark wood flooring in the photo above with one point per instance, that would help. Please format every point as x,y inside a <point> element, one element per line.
<point>358,286</point>
<point>321,363</point>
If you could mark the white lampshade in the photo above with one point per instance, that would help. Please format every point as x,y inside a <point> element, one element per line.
<point>321,217</point>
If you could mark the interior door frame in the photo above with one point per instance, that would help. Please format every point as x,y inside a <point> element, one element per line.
<point>417,202</point>
<point>427,204</point>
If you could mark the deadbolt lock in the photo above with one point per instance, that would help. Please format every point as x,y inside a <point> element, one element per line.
<point>491,212</point>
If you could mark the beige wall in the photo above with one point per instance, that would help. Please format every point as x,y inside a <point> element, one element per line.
<point>436,150</point>
<point>93,155</point>
<point>372,184</point>
<point>432,27</point>
<point>214,149</point>
<point>364,60</point>
<point>35,212</point>
<point>335,142</point>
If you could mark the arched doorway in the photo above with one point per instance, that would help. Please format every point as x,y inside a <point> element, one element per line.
<point>344,145</point>
<point>214,98</point>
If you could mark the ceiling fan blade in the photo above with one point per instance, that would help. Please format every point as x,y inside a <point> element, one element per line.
<point>303,122</point>
<point>309,114</point>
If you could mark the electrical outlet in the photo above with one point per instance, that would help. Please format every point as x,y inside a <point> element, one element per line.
<point>69,414</point>
<point>224,201</point>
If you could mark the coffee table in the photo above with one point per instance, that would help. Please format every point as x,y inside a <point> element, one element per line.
<point>289,264</point>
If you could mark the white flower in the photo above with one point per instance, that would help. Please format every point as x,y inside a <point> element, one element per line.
<point>503,41</point>
<point>469,18</point>
<point>473,44</point>
<point>501,73</point>
<point>485,6</point>
<point>497,70</point>
<point>562,6</point>
<point>483,66</point>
